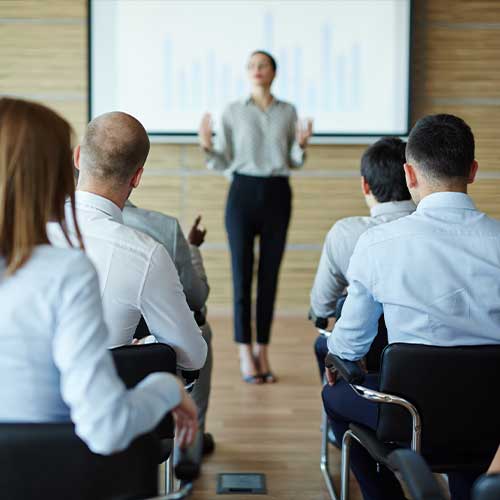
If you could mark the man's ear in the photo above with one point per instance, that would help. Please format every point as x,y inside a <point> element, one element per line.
<point>410,176</point>
<point>136,180</point>
<point>473,172</point>
<point>365,187</point>
<point>76,157</point>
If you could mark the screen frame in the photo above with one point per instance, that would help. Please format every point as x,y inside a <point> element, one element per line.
<point>318,138</point>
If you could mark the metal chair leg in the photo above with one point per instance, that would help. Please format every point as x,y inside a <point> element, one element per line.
<point>345,464</point>
<point>324,457</point>
<point>169,474</point>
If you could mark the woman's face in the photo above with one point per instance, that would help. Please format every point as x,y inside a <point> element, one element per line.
<point>260,71</point>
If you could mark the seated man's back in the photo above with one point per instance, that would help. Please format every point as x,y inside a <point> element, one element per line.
<point>436,274</point>
<point>136,274</point>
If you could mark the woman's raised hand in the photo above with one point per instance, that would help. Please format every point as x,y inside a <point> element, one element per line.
<point>205,132</point>
<point>304,130</point>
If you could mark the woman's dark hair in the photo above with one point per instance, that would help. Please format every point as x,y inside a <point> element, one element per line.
<point>442,146</point>
<point>382,167</point>
<point>272,60</point>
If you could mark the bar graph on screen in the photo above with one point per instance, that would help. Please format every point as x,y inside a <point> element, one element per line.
<point>344,63</point>
<point>212,81</point>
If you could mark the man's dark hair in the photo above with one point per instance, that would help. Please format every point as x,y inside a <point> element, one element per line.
<point>272,60</point>
<point>442,146</point>
<point>382,167</point>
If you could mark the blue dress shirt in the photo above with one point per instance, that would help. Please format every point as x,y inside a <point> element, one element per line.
<point>54,364</point>
<point>434,274</point>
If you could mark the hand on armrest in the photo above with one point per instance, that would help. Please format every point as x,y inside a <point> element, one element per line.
<point>318,321</point>
<point>351,371</point>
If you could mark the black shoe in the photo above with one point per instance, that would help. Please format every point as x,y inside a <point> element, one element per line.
<point>208,443</point>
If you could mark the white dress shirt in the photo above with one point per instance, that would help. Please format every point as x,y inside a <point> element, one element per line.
<point>257,142</point>
<point>434,274</point>
<point>331,281</point>
<point>136,276</point>
<point>186,258</point>
<point>54,364</point>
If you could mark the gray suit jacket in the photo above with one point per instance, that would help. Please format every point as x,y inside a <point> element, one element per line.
<point>187,258</point>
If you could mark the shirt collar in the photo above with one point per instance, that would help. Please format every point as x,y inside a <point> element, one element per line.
<point>249,100</point>
<point>96,203</point>
<point>447,200</point>
<point>392,207</point>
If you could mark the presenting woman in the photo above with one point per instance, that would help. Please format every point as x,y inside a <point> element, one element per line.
<point>260,141</point>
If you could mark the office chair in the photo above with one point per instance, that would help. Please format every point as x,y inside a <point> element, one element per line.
<point>427,397</point>
<point>133,363</point>
<point>415,474</point>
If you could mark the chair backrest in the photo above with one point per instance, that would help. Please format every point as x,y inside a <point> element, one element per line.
<point>455,390</point>
<point>50,461</point>
<point>134,362</point>
<point>487,487</point>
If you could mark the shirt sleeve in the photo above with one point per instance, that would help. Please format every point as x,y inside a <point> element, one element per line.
<point>166,312</point>
<point>330,282</point>
<point>297,155</point>
<point>356,329</point>
<point>221,156</point>
<point>189,265</point>
<point>106,415</point>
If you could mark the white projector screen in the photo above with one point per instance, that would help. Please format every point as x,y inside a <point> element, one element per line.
<point>344,63</point>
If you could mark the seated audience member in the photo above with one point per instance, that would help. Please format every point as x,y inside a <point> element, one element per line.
<point>136,274</point>
<point>384,188</point>
<point>188,261</point>
<point>53,362</point>
<point>435,275</point>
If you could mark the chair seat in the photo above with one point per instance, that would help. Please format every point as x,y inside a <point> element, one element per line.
<point>332,439</point>
<point>378,450</point>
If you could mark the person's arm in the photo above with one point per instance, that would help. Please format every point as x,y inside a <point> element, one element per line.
<point>106,415</point>
<point>330,282</point>
<point>193,278</point>
<point>220,156</point>
<point>357,327</point>
<point>163,305</point>
<point>297,140</point>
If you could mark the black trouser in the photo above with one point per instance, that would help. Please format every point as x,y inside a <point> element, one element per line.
<point>256,206</point>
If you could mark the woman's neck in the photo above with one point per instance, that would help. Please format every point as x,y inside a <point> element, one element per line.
<point>262,97</point>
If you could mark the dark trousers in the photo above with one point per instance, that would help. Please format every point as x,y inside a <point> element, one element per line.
<point>343,406</point>
<point>256,206</point>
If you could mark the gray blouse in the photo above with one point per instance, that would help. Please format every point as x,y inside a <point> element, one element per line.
<point>254,142</point>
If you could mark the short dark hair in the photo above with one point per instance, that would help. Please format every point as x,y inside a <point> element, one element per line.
<point>272,60</point>
<point>442,146</point>
<point>382,167</point>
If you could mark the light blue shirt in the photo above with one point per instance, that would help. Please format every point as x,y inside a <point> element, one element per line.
<point>435,275</point>
<point>54,364</point>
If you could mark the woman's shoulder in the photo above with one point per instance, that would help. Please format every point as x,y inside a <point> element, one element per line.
<point>61,260</point>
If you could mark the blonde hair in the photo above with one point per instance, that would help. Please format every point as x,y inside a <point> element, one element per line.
<point>36,178</point>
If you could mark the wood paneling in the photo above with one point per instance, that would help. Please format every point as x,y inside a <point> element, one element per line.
<point>43,56</point>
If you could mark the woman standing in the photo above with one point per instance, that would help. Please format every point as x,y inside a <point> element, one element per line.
<point>260,141</point>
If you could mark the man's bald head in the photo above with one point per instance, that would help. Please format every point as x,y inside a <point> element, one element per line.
<point>114,147</point>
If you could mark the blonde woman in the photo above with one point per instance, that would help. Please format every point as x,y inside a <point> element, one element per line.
<point>54,364</point>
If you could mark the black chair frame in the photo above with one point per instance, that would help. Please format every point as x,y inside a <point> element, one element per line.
<point>401,426</point>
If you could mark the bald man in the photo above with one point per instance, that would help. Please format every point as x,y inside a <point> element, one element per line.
<point>136,274</point>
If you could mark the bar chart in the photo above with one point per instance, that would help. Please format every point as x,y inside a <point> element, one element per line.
<point>342,62</point>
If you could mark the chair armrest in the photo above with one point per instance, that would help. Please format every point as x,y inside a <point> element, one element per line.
<point>350,371</point>
<point>416,475</point>
<point>318,321</point>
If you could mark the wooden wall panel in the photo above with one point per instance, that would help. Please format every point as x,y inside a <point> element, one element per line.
<point>456,69</point>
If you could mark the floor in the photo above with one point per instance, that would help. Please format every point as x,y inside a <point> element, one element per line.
<point>273,428</point>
